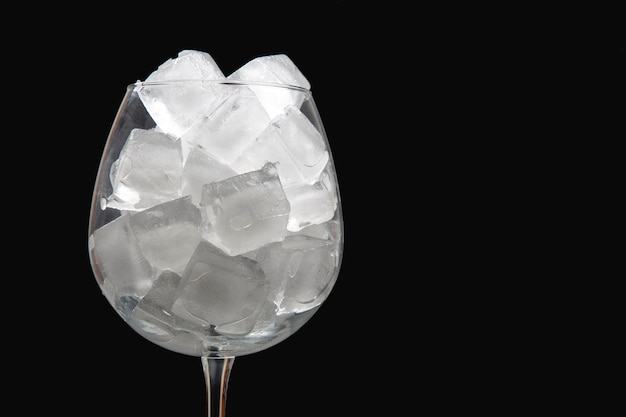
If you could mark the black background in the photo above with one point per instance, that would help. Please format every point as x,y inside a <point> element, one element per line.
<point>429,128</point>
<point>79,357</point>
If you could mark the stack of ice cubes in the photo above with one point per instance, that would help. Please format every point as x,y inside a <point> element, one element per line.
<point>228,206</point>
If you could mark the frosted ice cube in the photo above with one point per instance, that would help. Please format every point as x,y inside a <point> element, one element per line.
<point>231,127</point>
<point>245,212</point>
<point>294,144</point>
<point>175,108</point>
<point>199,169</point>
<point>278,69</point>
<point>147,171</point>
<point>299,270</point>
<point>168,233</point>
<point>221,291</point>
<point>116,253</point>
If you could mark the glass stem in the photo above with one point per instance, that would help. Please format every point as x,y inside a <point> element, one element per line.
<point>216,373</point>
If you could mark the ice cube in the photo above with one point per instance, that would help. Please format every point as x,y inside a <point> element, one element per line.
<point>158,302</point>
<point>221,291</point>
<point>231,127</point>
<point>168,233</point>
<point>199,169</point>
<point>188,65</point>
<point>279,69</point>
<point>152,317</point>
<point>176,107</point>
<point>147,171</point>
<point>299,270</point>
<point>291,142</point>
<point>245,212</point>
<point>153,314</point>
<point>310,204</point>
<point>118,257</point>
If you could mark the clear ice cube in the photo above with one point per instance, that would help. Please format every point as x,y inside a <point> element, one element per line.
<point>310,204</point>
<point>188,65</point>
<point>119,257</point>
<point>152,317</point>
<point>168,233</point>
<point>245,212</point>
<point>279,69</point>
<point>231,127</point>
<point>298,269</point>
<point>152,314</point>
<point>223,292</point>
<point>291,142</point>
<point>158,302</point>
<point>200,169</point>
<point>175,108</point>
<point>147,171</point>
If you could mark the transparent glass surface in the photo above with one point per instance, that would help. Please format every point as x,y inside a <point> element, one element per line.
<point>216,227</point>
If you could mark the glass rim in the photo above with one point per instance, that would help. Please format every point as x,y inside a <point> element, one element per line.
<point>139,83</point>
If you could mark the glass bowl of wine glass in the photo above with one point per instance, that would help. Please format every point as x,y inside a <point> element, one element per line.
<point>216,227</point>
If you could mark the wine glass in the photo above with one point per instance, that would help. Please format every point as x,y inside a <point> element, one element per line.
<point>216,227</point>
